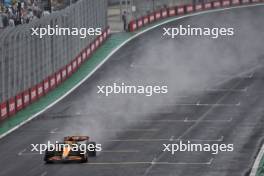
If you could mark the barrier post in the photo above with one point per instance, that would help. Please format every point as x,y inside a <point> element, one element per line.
<point>235,2</point>
<point>226,3</point>
<point>86,54</point>
<point>164,13</point>
<point>33,94</point>
<point>245,1</point>
<point>40,90</point>
<point>58,77</point>
<point>3,114</point>
<point>46,85</point>
<point>146,20</point>
<point>157,15</point>
<point>151,18</point>
<point>216,4</point>
<point>79,59</point>
<point>26,98</point>
<point>69,70</point>
<point>19,102</point>
<point>207,5</point>
<point>198,7</point>
<point>189,8</point>
<point>139,23</point>
<point>74,65</point>
<point>172,11</point>
<point>180,10</point>
<point>52,81</point>
<point>132,26</point>
<point>11,107</point>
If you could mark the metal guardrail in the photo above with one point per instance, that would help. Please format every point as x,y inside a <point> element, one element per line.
<point>31,67</point>
<point>26,60</point>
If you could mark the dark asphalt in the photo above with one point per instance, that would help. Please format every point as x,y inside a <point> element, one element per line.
<point>229,112</point>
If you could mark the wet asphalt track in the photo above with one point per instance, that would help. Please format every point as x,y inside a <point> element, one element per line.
<point>230,113</point>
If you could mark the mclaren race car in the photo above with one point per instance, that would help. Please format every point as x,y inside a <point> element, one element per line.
<point>73,148</point>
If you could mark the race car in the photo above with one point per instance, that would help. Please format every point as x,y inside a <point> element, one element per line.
<point>73,148</point>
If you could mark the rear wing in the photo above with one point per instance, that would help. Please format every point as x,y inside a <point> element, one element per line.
<point>76,138</point>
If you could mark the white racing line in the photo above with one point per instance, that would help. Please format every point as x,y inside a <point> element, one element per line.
<point>153,162</point>
<point>186,120</point>
<point>206,104</point>
<point>114,51</point>
<point>220,139</point>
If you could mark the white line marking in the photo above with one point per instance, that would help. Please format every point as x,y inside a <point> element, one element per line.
<point>207,112</point>
<point>166,139</point>
<point>54,131</point>
<point>257,162</point>
<point>153,162</point>
<point>114,130</point>
<point>239,74</point>
<point>172,138</point>
<point>115,50</point>
<point>120,151</point>
<point>205,104</point>
<point>22,152</point>
<point>44,173</point>
<point>29,153</point>
<point>226,90</point>
<point>186,120</point>
<point>217,120</point>
<point>133,130</point>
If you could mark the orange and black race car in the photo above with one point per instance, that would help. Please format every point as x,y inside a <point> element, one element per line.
<point>73,148</point>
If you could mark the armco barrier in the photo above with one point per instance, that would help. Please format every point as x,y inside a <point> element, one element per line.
<point>46,86</point>
<point>92,47</point>
<point>245,1</point>
<point>164,13</point>
<point>172,12</point>
<point>151,18</point>
<point>86,54</point>
<point>157,15</point>
<point>3,111</point>
<point>69,70</point>
<point>189,8</point>
<point>26,98</point>
<point>216,4</point>
<point>132,26</point>
<point>74,65</point>
<point>58,77</point>
<point>208,5</point>
<point>19,102</point>
<point>226,3</point>
<point>235,2</point>
<point>40,90</point>
<point>140,23</point>
<point>11,106</point>
<point>180,10</point>
<point>22,100</point>
<point>33,94</point>
<point>146,20</point>
<point>79,59</point>
<point>52,81</point>
<point>198,7</point>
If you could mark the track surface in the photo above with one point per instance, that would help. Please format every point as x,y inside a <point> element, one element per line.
<point>231,113</point>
